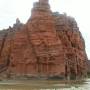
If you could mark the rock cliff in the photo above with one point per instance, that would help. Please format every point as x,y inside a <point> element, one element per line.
<point>48,45</point>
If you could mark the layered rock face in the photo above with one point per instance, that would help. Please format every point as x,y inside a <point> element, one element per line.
<point>49,44</point>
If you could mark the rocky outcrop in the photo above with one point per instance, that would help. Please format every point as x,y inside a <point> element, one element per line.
<point>49,44</point>
<point>73,45</point>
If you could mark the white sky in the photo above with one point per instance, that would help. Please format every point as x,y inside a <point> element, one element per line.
<point>79,9</point>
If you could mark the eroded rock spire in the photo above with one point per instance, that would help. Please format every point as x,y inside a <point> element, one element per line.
<point>43,1</point>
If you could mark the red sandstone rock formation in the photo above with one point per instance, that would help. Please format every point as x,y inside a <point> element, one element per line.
<point>49,44</point>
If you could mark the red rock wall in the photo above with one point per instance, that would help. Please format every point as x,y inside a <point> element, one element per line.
<point>49,44</point>
<point>73,45</point>
<point>46,43</point>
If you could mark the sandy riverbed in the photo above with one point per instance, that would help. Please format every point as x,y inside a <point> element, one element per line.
<point>43,85</point>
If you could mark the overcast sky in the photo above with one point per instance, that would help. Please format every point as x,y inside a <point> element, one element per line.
<point>79,9</point>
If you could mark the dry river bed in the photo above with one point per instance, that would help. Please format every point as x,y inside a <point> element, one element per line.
<point>44,85</point>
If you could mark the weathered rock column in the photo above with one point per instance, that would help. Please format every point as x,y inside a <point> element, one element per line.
<point>46,43</point>
<point>44,1</point>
